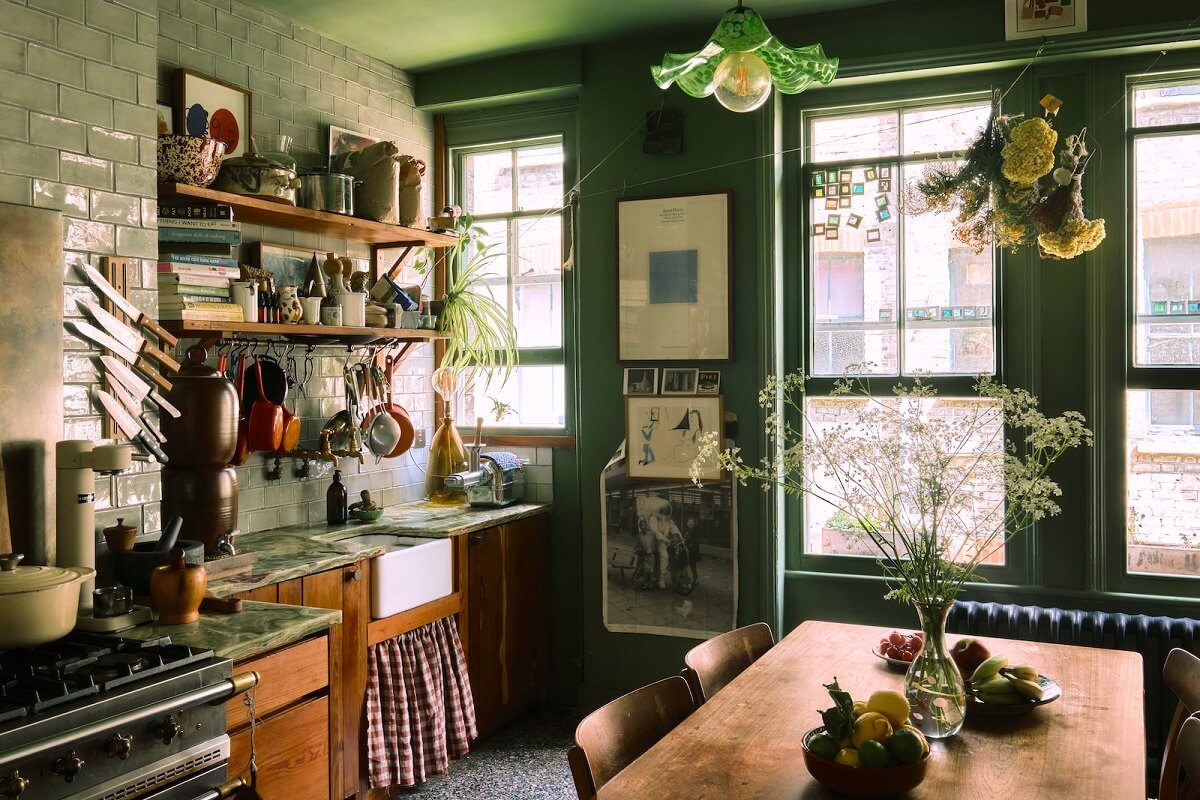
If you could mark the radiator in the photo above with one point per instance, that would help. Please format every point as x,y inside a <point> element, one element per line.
<point>1153,637</point>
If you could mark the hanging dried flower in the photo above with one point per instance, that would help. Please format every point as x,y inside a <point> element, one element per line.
<point>1029,153</point>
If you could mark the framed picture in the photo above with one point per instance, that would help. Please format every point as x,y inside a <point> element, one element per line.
<point>679,381</point>
<point>290,265</point>
<point>166,119</point>
<point>1029,18</point>
<point>664,434</point>
<point>206,106</point>
<point>641,380</point>
<point>674,285</point>
<point>342,141</point>
<point>709,382</point>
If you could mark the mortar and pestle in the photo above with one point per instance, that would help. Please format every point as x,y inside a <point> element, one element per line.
<point>134,567</point>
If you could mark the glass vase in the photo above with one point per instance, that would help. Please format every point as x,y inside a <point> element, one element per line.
<point>447,455</point>
<point>933,684</point>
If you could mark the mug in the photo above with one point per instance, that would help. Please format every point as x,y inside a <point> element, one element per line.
<point>354,309</point>
<point>331,315</point>
<point>312,310</point>
<point>245,294</point>
<point>290,309</point>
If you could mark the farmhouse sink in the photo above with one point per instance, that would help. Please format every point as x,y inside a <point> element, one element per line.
<point>412,571</point>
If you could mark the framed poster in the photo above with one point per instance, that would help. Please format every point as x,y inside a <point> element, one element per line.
<point>206,106</point>
<point>1025,19</point>
<point>674,284</point>
<point>664,433</point>
<point>289,264</point>
<point>680,380</point>
<point>343,141</point>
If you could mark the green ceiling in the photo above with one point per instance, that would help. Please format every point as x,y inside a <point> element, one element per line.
<point>421,36</point>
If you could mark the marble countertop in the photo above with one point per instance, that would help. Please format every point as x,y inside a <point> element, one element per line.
<point>257,628</point>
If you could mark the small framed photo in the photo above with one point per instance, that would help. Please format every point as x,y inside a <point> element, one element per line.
<point>1193,307</point>
<point>947,312</point>
<point>166,120</point>
<point>833,190</point>
<point>1158,307</point>
<point>818,229</point>
<point>1178,307</point>
<point>968,312</point>
<point>833,219</point>
<point>831,176</point>
<point>663,435</point>
<point>819,191</point>
<point>885,315</point>
<point>845,176</point>
<point>831,203</point>
<point>871,174</point>
<point>874,235</point>
<point>983,312</point>
<point>680,380</point>
<point>709,382</point>
<point>641,380</point>
<point>885,185</point>
<point>831,232</point>
<point>881,201</point>
<point>854,220</point>
<point>916,313</point>
<point>885,172</point>
<point>884,214</point>
<point>844,201</point>
<point>1024,19</point>
<point>844,189</point>
<point>209,107</point>
<point>818,179</point>
<point>858,188</point>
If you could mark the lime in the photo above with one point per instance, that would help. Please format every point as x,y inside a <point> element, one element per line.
<point>906,746</point>
<point>823,745</point>
<point>847,757</point>
<point>872,754</point>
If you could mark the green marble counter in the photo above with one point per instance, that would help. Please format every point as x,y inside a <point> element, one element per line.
<point>257,628</point>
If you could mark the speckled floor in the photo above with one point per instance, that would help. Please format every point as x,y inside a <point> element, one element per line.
<point>526,760</point>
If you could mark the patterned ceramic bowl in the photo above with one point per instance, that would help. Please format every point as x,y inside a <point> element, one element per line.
<point>193,160</point>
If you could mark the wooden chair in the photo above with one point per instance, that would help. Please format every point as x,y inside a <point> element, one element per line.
<point>1188,747</point>
<point>713,664</point>
<point>613,736</point>
<point>1182,674</point>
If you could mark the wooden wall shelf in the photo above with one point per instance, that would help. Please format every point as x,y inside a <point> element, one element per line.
<point>215,329</point>
<point>280,215</point>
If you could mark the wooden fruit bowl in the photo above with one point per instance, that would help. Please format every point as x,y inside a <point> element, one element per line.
<point>861,781</point>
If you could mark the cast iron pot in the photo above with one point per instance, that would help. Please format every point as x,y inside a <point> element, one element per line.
<point>37,604</point>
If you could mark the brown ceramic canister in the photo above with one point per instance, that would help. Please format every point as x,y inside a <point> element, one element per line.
<point>205,433</point>
<point>206,498</point>
<point>119,537</point>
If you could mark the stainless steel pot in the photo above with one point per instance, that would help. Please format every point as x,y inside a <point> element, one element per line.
<point>258,177</point>
<point>327,191</point>
<point>37,604</point>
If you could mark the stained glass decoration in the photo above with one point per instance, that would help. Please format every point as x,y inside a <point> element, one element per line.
<point>881,201</point>
<point>831,176</point>
<point>857,188</point>
<point>884,214</point>
<point>741,61</point>
<point>818,179</point>
<point>819,191</point>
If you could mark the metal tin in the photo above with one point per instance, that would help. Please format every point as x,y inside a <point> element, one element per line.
<point>326,191</point>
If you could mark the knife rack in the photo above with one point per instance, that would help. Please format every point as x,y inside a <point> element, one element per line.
<point>116,270</point>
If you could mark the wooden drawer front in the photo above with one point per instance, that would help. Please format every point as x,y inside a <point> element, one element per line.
<point>293,753</point>
<point>285,677</point>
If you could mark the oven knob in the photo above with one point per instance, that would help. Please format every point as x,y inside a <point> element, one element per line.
<point>68,766</point>
<point>118,746</point>
<point>168,730</point>
<point>13,785</point>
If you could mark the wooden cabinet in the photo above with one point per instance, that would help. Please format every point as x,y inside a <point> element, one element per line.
<point>507,617</point>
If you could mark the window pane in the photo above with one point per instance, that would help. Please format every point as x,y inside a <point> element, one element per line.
<point>947,129</point>
<point>1167,105</point>
<point>488,182</point>
<point>1162,483</point>
<point>969,520</point>
<point>1167,254</point>
<point>855,136</point>
<point>537,286</point>
<point>539,177</point>
<point>535,395</point>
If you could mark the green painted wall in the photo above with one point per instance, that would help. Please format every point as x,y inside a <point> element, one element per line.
<point>1060,343</point>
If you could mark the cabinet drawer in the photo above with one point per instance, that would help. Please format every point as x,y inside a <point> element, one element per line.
<point>292,753</point>
<point>285,676</point>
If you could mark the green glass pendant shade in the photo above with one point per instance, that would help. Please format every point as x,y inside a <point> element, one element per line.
<point>741,29</point>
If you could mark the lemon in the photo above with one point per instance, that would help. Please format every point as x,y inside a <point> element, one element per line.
<point>847,757</point>
<point>860,708</point>
<point>873,754</point>
<point>907,746</point>
<point>823,745</point>
<point>892,705</point>
<point>921,736</point>
<point>871,725</point>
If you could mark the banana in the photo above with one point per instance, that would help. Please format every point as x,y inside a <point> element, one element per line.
<point>1030,689</point>
<point>988,668</point>
<point>997,684</point>
<point>1023,671</point>
<point>1001,698</point>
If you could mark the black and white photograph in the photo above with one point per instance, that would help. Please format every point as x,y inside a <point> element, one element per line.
<point>679,381</point>
<point>709,382</point>
<point>641,380</point>
<point>670,554</point>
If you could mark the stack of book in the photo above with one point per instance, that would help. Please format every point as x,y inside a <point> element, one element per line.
<point>197,258</point>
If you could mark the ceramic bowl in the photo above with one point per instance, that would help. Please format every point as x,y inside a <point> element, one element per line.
<point>193,160</point>
<point>861,781</point>
<point>366,516</point>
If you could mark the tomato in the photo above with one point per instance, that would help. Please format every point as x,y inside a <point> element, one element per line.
<point>894,652</point>
<point>896,638</point>
<point>906,656</point>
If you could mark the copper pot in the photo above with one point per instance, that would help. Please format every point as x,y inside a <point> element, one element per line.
<point>205,434</point>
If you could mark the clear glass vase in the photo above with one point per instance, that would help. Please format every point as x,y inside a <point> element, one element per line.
<point>933,684</point>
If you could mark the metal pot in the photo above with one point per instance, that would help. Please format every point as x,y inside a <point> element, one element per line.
<point>258,177</point>
<point>327,191</point>
<point>37,604</point>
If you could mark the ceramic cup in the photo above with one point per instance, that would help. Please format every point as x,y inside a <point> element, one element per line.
<point>245,294</point>
<point>312,310</point>
<point>331,315</point>
<point>289,303</point>
<point>354,309</point>
<point>410,319</point>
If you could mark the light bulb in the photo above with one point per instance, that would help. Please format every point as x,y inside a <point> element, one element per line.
<point>445,383</point>
<point>742,81</point>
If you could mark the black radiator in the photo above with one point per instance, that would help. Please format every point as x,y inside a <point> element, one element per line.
<point>1153,637</point>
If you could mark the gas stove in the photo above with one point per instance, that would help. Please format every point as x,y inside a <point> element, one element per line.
<point>91,716</point>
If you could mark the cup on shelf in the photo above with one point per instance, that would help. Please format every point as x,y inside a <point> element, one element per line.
<point>312,310</point>
<point>410,319</point>
<point>354,309</point>
<point>245,294</point>
<point>331,315</point>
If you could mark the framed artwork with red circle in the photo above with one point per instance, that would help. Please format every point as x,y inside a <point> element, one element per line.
<point>206,106</point>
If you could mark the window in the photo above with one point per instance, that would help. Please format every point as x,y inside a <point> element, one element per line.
<point>1162,427</point>
<point>894,293</point>
<point>515,190</point>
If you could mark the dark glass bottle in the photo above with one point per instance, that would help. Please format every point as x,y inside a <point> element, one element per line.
<point>336,510</point>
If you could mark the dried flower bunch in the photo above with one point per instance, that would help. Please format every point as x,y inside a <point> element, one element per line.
<point>997,194</point>
<point>935,485</point>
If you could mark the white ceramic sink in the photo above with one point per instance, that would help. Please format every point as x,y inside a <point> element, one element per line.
<point>411,572</point>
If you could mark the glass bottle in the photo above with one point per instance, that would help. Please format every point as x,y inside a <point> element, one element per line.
<point>447,455</point>
<point>336,510</point>
<point>933,684</point>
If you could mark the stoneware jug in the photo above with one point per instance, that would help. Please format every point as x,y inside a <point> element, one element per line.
<point>289,303</point>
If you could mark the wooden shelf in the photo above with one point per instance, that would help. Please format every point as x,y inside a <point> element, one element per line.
<point>216,329</point>
<point>281,215</point>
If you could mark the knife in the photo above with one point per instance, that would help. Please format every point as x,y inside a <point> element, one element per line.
<point>130,427</point>
<point>135,409</point>
<point>128,336</point>
<point>136,386</point>
<point>109,343</point>
<point>120,301</point>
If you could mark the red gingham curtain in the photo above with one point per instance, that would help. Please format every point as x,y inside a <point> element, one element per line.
<point>420,711</point>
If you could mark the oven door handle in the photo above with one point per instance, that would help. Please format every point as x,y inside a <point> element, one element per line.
<point>226,790</point>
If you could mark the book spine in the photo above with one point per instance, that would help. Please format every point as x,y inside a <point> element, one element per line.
<point>177,211</point>
<point>198,269</point>
<point>194,258</point>
<point>216,236</point>
<point>234,314</point>
<point>168,299</point>
<point>201,224</point>
<point>199,305</point>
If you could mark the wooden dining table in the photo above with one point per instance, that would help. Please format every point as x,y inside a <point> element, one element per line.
<point>745,741</point>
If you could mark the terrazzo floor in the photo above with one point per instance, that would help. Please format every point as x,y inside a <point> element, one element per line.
<point>526,760</point>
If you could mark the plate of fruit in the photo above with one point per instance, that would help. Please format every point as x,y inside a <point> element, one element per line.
<point>866,748</point>
<point>997,688</point>
<point>899,649</point>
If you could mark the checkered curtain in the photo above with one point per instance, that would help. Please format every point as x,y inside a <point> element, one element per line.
<point>420,711</point>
